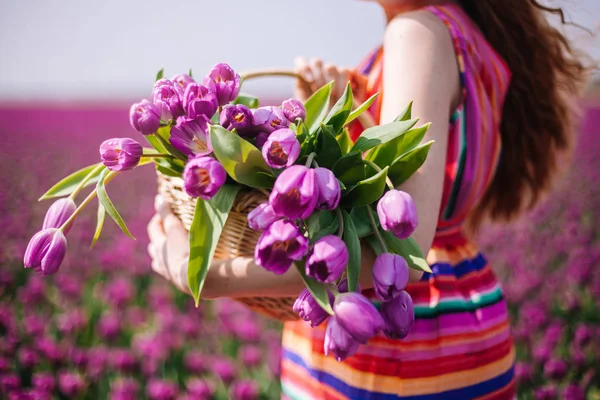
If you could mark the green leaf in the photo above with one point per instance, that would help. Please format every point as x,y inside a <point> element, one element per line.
<point>381,134</point>
<point>405,166</point>
<point>240,158</point>
<point>340,111</point>
<point>247,100</point>
<point>350,168</point>
<point>209,219</point>
<point>344,141</point>
<point>361,221</point>
<point>165,134</point>
<point>108,205</point>
<point>327,148</point>
<point>361,109</point>
<point>190,73</point>
<point>352,241</point>
<point>316,107</point>
<point>67,185</point>
<point>366,191</point>
<point>406,114</point>
<point>322,223</point>
<point>385,154</point>
<point>318,290</point>
<point>160,74</point>
<point>99,223</point>
<point>407,248</point>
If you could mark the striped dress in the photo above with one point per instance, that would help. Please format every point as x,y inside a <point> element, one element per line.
<point>460,345</point>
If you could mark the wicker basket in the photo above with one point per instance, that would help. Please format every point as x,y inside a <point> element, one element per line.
<point>237,239</point>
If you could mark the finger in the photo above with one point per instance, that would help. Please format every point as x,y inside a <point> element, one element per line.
<point>331,73</point>
<point>342,80</point>
<point>155,229</point>
<point>171,224</point>
<point>316,67</point>
<point>303,86</point>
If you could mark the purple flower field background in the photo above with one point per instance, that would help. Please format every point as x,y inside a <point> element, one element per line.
<point>106,327</point>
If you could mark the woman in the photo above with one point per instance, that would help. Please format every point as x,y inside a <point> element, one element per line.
<point>495,80</point>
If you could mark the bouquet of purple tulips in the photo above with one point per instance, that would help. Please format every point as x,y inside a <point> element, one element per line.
<point>326,194</point>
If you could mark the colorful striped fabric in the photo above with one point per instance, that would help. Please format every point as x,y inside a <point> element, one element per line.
<point>460,345</point>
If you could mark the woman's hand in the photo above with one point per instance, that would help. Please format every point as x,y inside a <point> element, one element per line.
<point>319,74</point>
<point>169,245</point>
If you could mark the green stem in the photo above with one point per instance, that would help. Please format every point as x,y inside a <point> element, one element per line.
<point>158,156</point>
<point>85,180</point>
<point>376,167</point>
<point>340,218</point>
<point>334,289</point>
<point>168,146</point>
<point>310,159</point>
<point>87,201</point>
<point>375,230</point>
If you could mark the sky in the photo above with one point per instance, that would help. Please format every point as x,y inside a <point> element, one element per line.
<point>112,49</point>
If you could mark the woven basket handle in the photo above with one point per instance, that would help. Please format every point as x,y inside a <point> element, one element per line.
<point>366,120</point>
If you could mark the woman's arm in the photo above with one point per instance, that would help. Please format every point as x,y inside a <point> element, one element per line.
<point>419,65</point>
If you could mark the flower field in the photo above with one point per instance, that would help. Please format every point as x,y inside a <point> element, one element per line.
<point>106,327</point>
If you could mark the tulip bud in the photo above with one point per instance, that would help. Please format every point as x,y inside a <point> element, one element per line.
<point>261,217</point>
<point>199,100</point>
<point>225,81</point>
<point>58,213</point>
<point>309,310</point>
<point>181,82</point>
<point>398,315</point>
<point>329,189</point>
<point>293,109</point>
<point>338,341</point>
<point>295,194</point>
<point>203,177</point>
<point>358,316</point>
<point>397,213</point>
<point>238,117</point>
<point>269,119</point>
<point>144,117</point>
<point>244,390</point>
<point>46,251</point>
<point>327,260</point>
<point>279,245</point>
<point>121,154</point>
<point>261,139</point>
<point>166,98</point>
<point>390,276</point>
<point>281,149</point>
<point>190,136</point>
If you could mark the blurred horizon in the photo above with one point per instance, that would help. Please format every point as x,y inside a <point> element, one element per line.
<point>110,51</point>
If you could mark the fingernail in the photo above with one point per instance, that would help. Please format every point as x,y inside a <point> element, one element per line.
<point>159,202</point>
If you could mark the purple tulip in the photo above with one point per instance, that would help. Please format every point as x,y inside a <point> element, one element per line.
<point>46,251</point>
<point>28,358</point>
<point>144,117</point>
<point>109,326</point>
<point>70,384</point>
<point>166,98</point>
<point>244,390</point>
<point>250,356</point>
<point>199,100</point>
<point>269,119</point>
<point>547,392</point>
<point>181,82</point>
<point>190,136</point>
<point>309,310</point>
<point>121,154</point>
<point>124,389</point>
<point>199,389</point>
<point>279,245</point>
<point>358,316</point>
<point>523,373</point>
<point>327,260</point>
<point>159,389</point>
<point>43,381</point>
<point>238,117</point>
<point>58,213</point>
<point>398,315</point>
<point>203,177</point>
<point>281,149</point>
<point>261,217</point>
<point>573,392</point>
<point>343,286</point>
<point>556,369</point>
<point>390,276</point>
<point>9,382</point>
<point>261,139</point>
<point>224,369</point>
<point>397,213</point>
<point>329,189</point>
<point>225,81</point>
<point>295,193</point>
<point>293,109</point>
<point>338,341</point>
<point>122,360</point>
